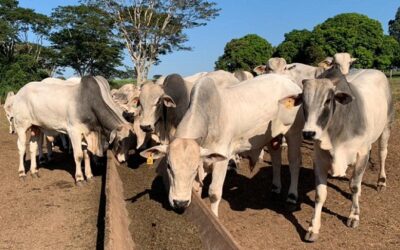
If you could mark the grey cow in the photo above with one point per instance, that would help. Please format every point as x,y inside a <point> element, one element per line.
<point>344,119</point>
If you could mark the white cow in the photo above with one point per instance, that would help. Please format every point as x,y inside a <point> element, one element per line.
<point>127,97</point>
<point>243,75</point>
<point>73,109</point>
<point>343,61</point>
<point>344,119</point>
<point>296,71</point>
<point>223,122</point>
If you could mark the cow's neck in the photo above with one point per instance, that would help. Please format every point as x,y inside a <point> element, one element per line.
<point>348,121</point>
<point>100,109</point>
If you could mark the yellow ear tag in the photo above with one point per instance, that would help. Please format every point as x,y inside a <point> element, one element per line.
<point>289,103</point>
<point>150,159</point>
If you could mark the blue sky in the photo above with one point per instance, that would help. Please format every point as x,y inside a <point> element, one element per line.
<point>267,18</point>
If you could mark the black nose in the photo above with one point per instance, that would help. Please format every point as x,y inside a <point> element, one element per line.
<point>181,205</point>
<point>308,135</point>
<point>146,128</point>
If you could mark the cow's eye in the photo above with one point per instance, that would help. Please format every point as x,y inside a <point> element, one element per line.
<point>328,101</point>
<point>168,166</point>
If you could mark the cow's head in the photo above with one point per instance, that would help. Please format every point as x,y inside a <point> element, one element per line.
<point>343,61</point>
<point>151,99</point>
<point>320,98</point>
<point>8,110</point>
<point>122,139</point>
<point>184,158</point>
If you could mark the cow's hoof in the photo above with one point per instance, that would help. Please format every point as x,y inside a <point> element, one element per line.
<point>80,183</point>
<point>42,160</point>
<point>311,237</point>
<point>90,179</point>
<point>22,178</point>
<point>353,223</point>
<point>292,207</point>
<point>275,196</point>
<point>35,175</point>
<point>381,187</point>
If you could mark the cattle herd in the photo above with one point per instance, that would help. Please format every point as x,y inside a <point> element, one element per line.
<point>196,125</point>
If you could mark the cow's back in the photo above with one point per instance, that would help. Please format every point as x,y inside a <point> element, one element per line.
<point>45,104</point>
<point>373,86</point>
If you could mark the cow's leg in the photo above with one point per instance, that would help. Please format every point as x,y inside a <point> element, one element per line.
<point>42,160</point>
<point>88,168</point>
<point>76,142</point>
<point>276,159</point>
<point>321,167</point>
<point>21,143</point>
<point>294,156</point>
<point>33,148</point>
<point>217,183</point>
<point>383,144</point>
<point>355,187</point>
<point>49,148</point>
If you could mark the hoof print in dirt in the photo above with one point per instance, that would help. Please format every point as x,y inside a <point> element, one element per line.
<point>353,223</point>
<point>311,237</point>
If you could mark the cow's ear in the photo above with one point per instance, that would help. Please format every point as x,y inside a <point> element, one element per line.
<point>260,69</point>
<point>136,101</point>
<point>168,102</point>
<point>292,101</point>
<point>210,157</point>
<point>343,98</point>
<point>113,134</point>
<point>9,94</point>
<point>155,152</point>
<point>353,60</point>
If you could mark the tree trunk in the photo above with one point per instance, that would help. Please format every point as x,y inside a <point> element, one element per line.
<point>141,72</point>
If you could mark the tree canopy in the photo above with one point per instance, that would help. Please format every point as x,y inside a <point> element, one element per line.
<point>244,53</point>
<point>394,31</point>
<point>293,48</point>
<point>151,28</point>
<point>85,41</point>
<point>22,58</point>
<point>357,34</point>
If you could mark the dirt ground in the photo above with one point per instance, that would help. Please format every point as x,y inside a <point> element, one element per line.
<point>258,221</point>
<point>153,224</point>
<point>49,212</point>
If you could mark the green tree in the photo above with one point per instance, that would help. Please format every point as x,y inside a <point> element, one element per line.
<point>244,53</point>
<point>394,31</point>
<point>293,48</point>
<point>394,26</point>
<point>23,58</point>
<point>85,40</point>
<point>151,28</point>
<point>350,32</point>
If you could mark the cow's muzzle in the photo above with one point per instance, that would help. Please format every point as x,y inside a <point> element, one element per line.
<point>180,206</point>
<point>309,135</point>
